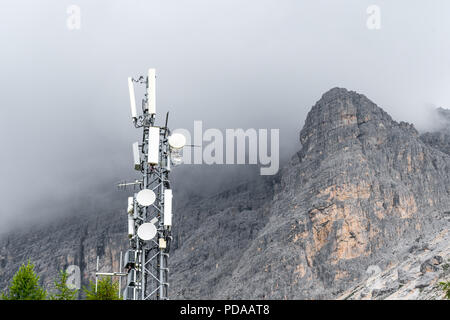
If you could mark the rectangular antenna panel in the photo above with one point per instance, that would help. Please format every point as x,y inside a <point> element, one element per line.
<point>153,145</point>
<point>168,207</point>
<point>162,243</point>
<point>151,91</point>
<point>136,156</point>
<point>130,259</point>
<point>132,98</point>
<point>130,205</point>
<point>130,226</point>
<point>131,277</point>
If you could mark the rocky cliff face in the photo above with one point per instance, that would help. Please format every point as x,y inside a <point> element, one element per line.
<point>360,183</point>
<point>417,276</point>
<point>361,192</point>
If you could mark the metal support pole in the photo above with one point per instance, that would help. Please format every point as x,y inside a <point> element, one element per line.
<point>146,267</point>
<point>96,272</point>
<point>120,268</point>
<point>151,265</point>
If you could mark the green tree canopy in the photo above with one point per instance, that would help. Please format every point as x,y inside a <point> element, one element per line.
<point>446,287</point>
<point>106,290</point>
<point>25,285</point>
<point>63,292</point>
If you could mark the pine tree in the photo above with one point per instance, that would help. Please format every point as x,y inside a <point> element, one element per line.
<point>63,292</point>
<point>25,285</point>
<point>106,290</point>
<point>446,287</point>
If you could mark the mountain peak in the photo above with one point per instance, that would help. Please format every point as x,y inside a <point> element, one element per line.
<point>336,93</point>
<point>360,184</point>
<point>341,117</point>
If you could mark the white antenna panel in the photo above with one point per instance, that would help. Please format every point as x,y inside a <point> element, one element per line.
<point>130,208</point>
<point>177,141</point>
<point>168,207</point>
<point>146,197</point>
<point>130,226</point>
<point>132,98</point>
<point>136,156</point>
<point>168,163</point>
<point>153,145</point>
<point>151,91</point>
<point>146,231</point>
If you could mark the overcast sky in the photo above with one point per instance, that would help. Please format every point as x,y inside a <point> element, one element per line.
<point>65,126</point>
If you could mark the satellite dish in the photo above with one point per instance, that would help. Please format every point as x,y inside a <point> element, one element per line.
<point>146,197</point>
<point>177,141</point>
<point>146,231</point>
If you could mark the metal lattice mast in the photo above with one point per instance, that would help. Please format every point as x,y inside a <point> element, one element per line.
<point>150,210</point>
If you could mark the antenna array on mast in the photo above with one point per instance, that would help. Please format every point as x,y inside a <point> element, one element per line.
<point>150,210</point>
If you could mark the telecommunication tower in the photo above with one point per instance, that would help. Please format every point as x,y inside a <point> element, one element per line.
<point>150,210</point>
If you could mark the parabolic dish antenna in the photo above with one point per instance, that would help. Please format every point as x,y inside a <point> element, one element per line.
<point>177,141</point>
<point>146,231</point>
<point>145,197</point>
